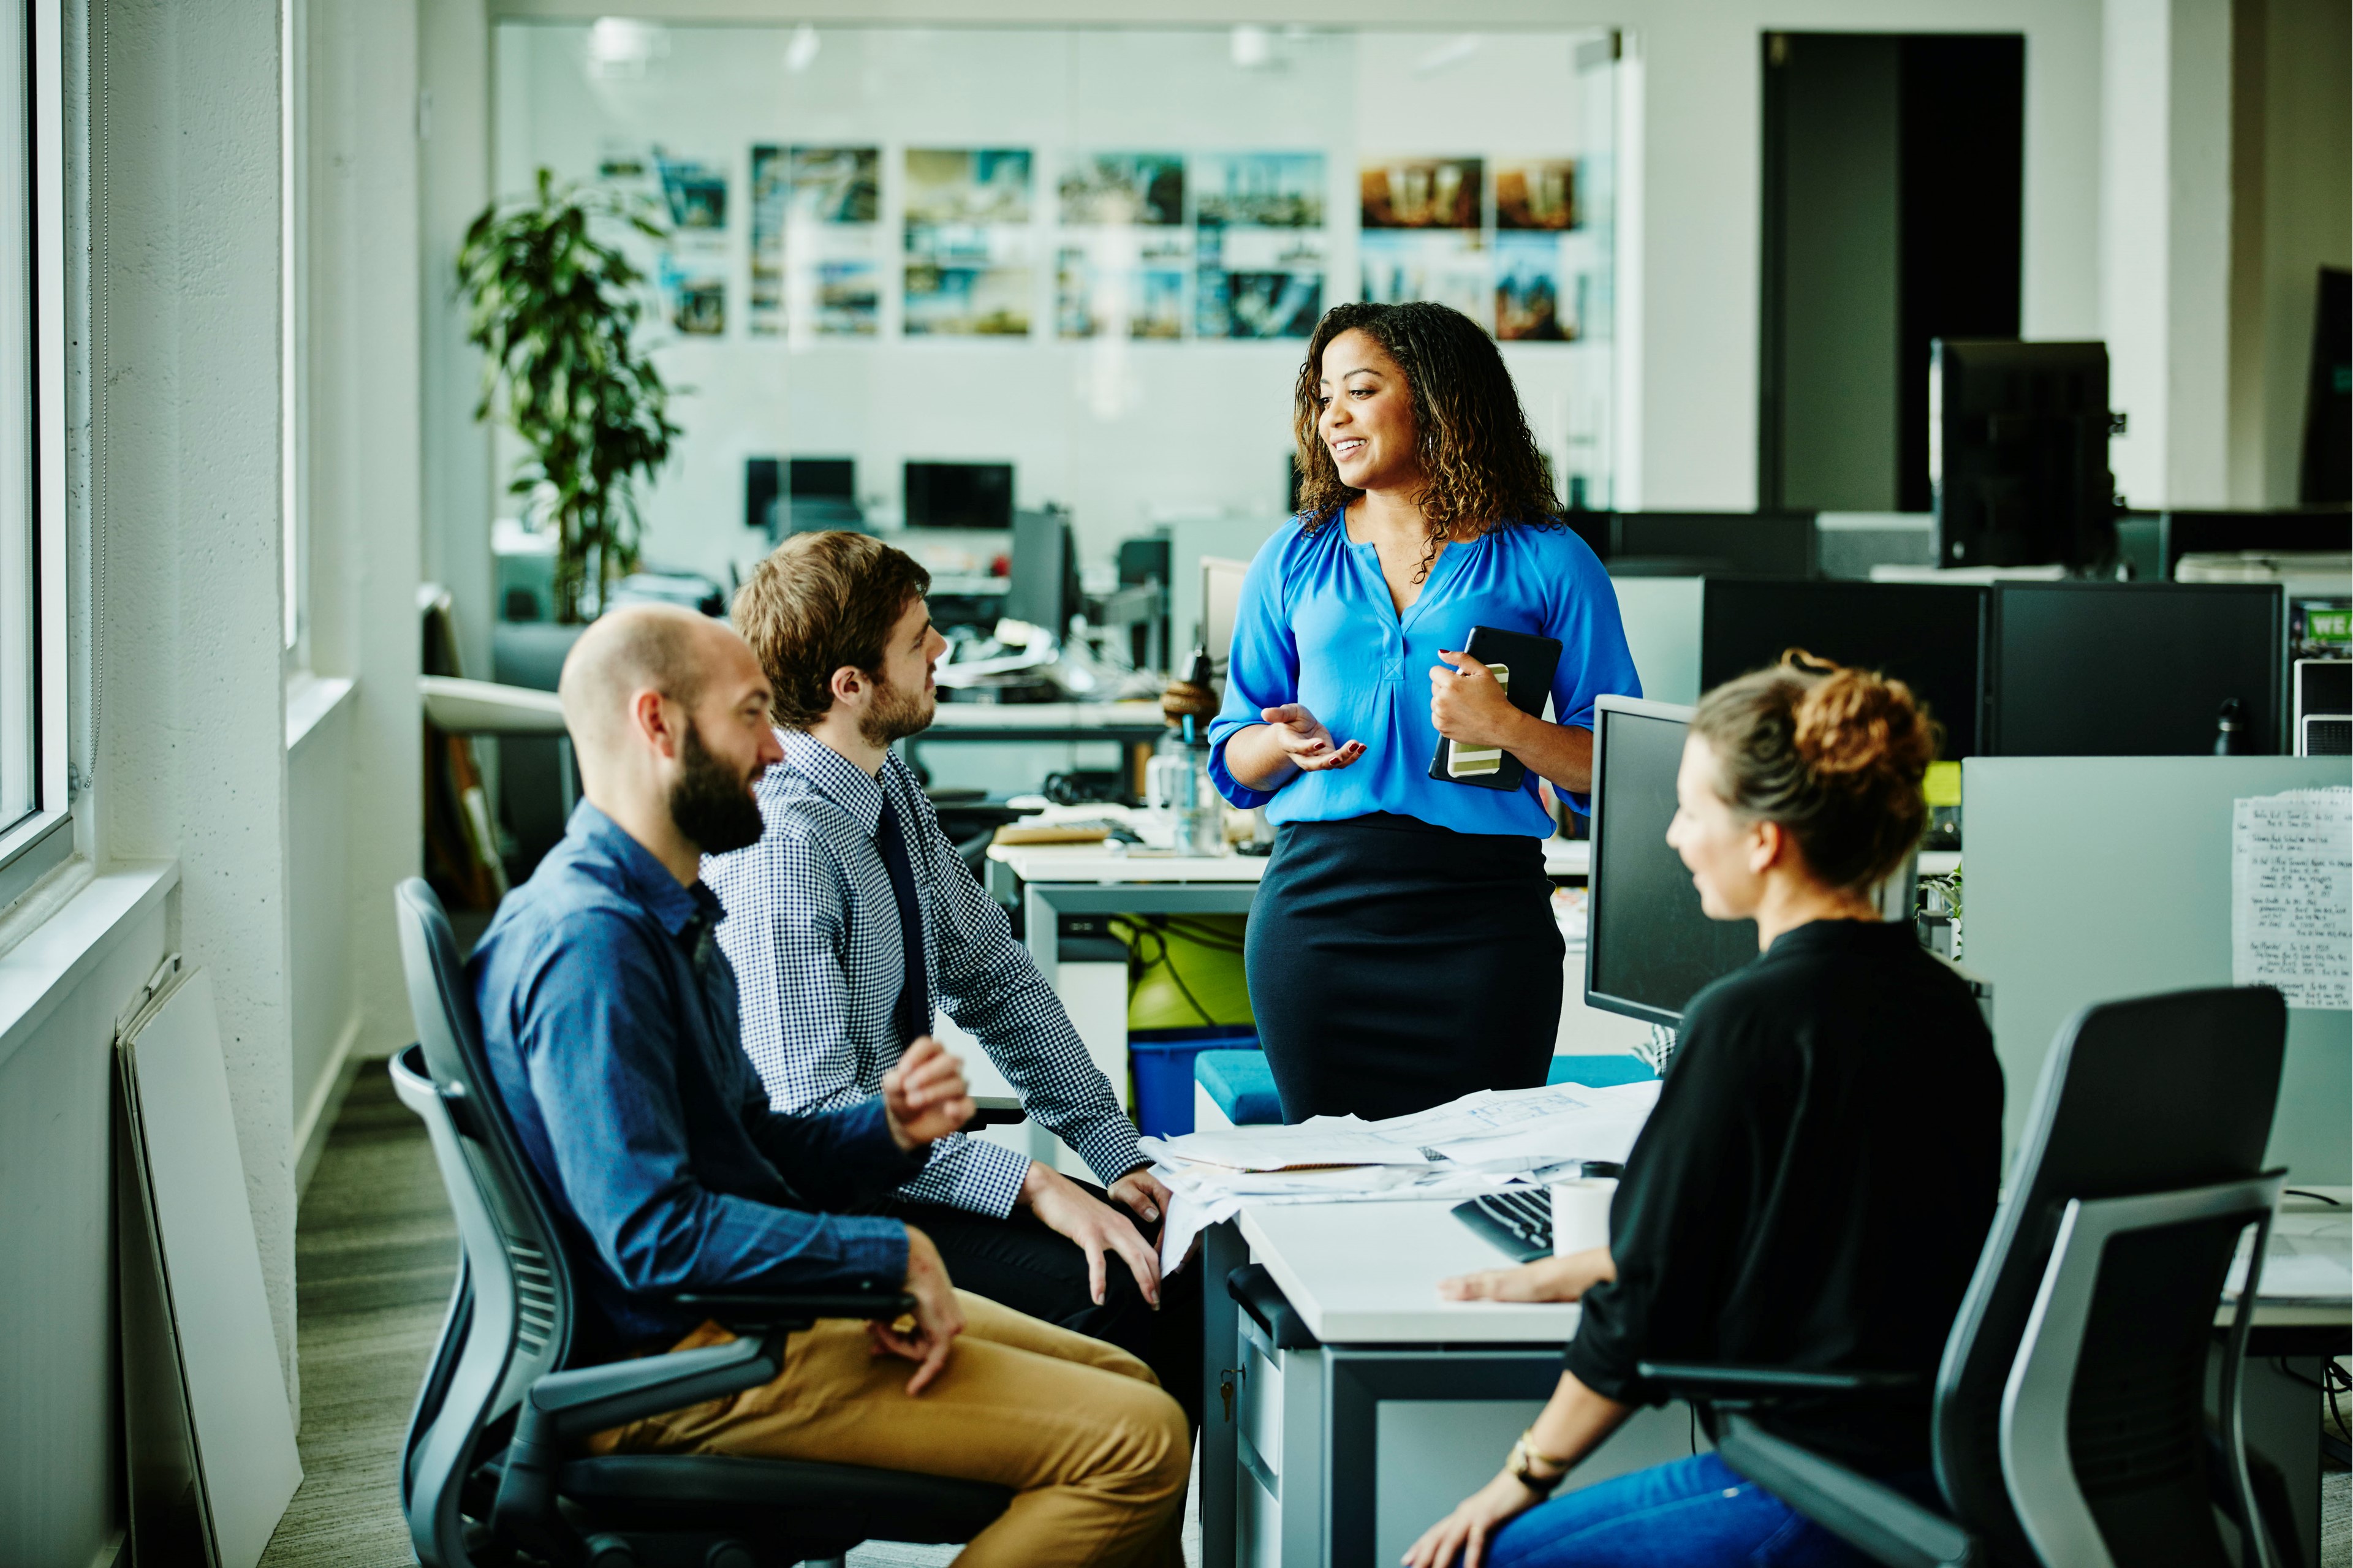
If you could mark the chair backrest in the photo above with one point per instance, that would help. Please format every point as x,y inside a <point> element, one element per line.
<point>2154,1095</point>
<point>519,1324</point>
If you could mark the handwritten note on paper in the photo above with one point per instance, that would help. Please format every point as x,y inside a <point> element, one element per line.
<point>2292,895</point>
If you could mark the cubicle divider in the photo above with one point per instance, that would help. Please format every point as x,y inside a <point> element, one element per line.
<point>2089,879</point>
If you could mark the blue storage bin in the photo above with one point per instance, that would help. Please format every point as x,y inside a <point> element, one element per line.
<point>1241,1084</point>
<point>1600,1072</point>
<point>1162,1065</point>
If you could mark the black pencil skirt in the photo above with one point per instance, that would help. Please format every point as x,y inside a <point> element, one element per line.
<point>1395,965</point>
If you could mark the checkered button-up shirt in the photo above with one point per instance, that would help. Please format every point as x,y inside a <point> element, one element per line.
<point>813,931</point>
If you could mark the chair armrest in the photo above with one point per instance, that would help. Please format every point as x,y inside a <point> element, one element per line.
<point>995,1110</point>
<point>767,1311</point>
<point>571,1405</point>
<point>1868,1515</point>
<point>1702,1380</point>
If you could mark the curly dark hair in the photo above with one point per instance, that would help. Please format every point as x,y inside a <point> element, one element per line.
<point>1480,463</point>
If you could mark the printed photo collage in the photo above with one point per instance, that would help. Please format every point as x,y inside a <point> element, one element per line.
<point>1143,246</point>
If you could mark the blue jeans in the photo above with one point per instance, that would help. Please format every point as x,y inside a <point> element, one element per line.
<point>1694,1513</point>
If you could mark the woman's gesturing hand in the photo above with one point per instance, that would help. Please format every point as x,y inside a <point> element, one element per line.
<point>1467,704</point>
<point>1306,744</point>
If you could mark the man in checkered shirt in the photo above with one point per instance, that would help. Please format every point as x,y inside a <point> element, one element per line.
<point>854,912</point>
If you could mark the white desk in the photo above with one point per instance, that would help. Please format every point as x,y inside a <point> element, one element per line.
<point>1295,1460</point>
<point>1343,1451</point>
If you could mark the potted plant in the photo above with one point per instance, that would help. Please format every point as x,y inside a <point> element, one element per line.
<point>553,308</point>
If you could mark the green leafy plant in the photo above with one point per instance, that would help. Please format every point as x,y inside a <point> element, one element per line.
<point>553,308</point>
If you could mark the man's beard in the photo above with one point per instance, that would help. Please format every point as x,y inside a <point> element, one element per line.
<point>711,802</point>
<point>896,713</point>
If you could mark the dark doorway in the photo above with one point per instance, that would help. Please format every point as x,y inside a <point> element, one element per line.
<point>1893,181</point>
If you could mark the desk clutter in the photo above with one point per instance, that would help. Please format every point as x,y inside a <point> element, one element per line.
<point>1485,1141</point>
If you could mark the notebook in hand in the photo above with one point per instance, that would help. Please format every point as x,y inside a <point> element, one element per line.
<point>1524,663</point>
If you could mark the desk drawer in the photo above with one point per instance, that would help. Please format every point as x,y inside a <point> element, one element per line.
<point>1258,1416</point>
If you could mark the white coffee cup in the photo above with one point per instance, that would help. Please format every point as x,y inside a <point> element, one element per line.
<point>1580,1214</point>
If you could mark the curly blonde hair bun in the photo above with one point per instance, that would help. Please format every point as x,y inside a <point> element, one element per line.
<point>1835,755</point>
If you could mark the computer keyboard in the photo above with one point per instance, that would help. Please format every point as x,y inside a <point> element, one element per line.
<point>1517,1221</point>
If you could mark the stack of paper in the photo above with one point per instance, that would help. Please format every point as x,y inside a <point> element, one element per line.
<point>1479,1143</point>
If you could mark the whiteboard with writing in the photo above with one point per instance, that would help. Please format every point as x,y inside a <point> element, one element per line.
<point>2292,895</point>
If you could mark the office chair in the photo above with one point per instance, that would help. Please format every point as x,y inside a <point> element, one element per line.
<point>495,1461</point>
<point>2069,1423</point>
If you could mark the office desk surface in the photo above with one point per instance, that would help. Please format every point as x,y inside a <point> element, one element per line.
<point>1367,1273</point>
<point>1094,863</point>
<point>1123,715</point>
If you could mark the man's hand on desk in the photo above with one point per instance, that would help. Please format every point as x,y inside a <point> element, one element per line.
<point>1141,1191</point>
<point>1546,1279</point>
<point>925,1335</point>
<point>1098,1229</point>
<point>923,1095</point>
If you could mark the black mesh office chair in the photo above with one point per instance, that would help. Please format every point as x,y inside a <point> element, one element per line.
<point>494,1462</point>
<point>2069,1426</point>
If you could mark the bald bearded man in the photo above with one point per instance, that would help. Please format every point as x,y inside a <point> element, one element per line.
<point>610,1017</point>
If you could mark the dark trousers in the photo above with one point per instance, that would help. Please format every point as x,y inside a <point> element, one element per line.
<point>1017,1262</point>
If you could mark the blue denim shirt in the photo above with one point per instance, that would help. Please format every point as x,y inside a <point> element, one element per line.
<point>609,1016</point>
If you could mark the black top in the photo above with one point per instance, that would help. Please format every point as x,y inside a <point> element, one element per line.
<point>1814,1187</point>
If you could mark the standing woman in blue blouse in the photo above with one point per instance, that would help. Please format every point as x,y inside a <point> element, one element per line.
<point>1402,948</point>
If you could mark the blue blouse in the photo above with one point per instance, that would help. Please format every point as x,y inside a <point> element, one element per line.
<point>1316,626</point>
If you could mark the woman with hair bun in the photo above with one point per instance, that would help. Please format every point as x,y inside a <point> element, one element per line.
<point>1402,949</point>
<point>1817,1180</point>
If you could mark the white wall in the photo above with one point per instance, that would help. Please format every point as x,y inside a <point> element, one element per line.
<point>191,754</point>
<point>1117,430</point>
<point>60,1440</point>
<point>1689,138</point>
<point>363,500</point>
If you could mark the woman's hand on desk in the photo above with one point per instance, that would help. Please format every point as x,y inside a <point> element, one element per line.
<point>1546,1279</point>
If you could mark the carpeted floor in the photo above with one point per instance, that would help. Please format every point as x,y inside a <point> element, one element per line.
<point>375,1251</point>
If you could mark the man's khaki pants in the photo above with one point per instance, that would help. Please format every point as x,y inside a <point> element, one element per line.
<point>1098,1454</point>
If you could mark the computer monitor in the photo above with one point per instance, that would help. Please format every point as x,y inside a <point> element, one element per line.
<point>2018,453</point>
<point>808,478</point>
<point>959,495</point>
<point>1222,599</point>
<point>1928,636</point>
<point>1648,948</point>
<point>1695,543</point>
<point>2314,530</point>
<point>1043,590</point>
<point>2132,670</point>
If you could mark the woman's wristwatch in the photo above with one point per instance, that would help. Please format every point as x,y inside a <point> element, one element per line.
<point>1526,1457</point>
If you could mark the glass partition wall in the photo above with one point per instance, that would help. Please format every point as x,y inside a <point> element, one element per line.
<point>1092,256</point>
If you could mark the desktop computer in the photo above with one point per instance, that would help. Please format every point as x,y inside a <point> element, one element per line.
<point>2132,670</point>
<point>1927,635</point>
<point>1648,948</point>
<point>1044,587</point>
<point>1695,543</point>
<point>2018,453</point>
<point>1221,600</point>
<point>959,495</point>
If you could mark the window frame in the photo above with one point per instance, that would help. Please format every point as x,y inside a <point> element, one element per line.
<point>30,848</point>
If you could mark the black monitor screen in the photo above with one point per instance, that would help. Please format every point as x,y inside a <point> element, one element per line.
<point>834,478</point>
<point>1041,589</point>
<point>1689,543</point>
<point>1648,948</point>
<point>2133,669</point>
<point>1925,634</point>
<point>960,495</point>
